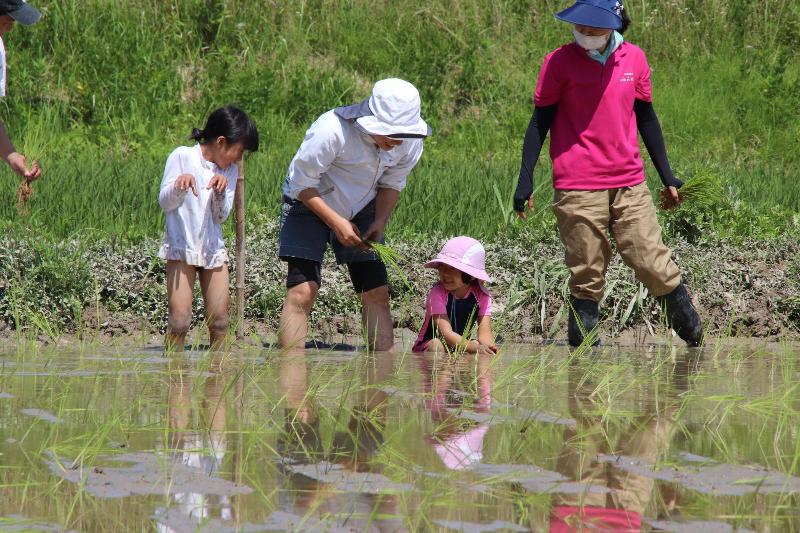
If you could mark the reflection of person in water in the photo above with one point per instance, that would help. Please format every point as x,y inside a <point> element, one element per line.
<point>451,383</point>
<point>353,449</point>
<point>614,499</point>
<point>203,450</point>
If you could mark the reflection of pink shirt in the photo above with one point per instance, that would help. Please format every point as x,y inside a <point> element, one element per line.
<point>476,304</point>
<point>565,519</point>
<point>594,140</point>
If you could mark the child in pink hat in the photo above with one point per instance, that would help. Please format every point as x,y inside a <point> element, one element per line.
<point>458,305</point>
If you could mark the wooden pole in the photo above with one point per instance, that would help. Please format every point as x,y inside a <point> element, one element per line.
<point>238,202</point>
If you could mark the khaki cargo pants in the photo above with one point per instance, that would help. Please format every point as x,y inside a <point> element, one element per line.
<point>584,221</point>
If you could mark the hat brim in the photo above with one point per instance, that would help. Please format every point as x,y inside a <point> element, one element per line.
<point>458,265</point>
<point>587,15</point>
<point>372,125</point>
<point>462,450</point>
<point>26,14</point>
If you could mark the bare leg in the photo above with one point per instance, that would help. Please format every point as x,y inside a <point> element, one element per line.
<point>180,286</point>
<point>376,319</point>
<point>293,328</point>
<point>216,297</point>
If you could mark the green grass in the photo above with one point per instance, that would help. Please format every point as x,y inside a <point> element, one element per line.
<point>108,89</point>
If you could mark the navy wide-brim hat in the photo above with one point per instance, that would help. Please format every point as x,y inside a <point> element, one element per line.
<point>21,11</point>
<point>606,14</point>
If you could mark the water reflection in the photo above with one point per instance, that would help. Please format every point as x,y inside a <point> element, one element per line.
<point>630,497</point>
<point>454,386</point>
<point>342,485</point>
<point>202,449</point>
<point>331,442</point>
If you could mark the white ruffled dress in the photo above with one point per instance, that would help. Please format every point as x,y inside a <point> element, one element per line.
<point>194,223</point>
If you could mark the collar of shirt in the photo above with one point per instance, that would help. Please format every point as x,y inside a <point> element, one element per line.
<point>614,43</point>
<point>208,165</point>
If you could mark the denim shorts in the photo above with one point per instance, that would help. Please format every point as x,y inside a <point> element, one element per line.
<point>305,236</point>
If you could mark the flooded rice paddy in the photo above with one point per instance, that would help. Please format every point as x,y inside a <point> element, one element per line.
<point>536,439</point>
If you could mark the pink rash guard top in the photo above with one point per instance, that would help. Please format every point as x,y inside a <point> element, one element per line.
<point>462,312</point>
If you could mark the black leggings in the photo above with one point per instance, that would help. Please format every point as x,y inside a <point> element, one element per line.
<point>365,275</point>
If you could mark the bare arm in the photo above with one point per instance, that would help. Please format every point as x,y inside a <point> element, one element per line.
<point>485,335</point>
<point>459,342</point>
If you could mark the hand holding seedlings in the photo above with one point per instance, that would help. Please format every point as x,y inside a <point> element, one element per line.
<point>670,198</point>
<point>703,189</point>
<point>19,164</point>
<point>375,231</point>
<point>184,182</point>
<point>348,234</point>
<point>219,183</point>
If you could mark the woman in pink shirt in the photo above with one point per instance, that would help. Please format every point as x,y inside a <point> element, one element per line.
<point>594,96</point>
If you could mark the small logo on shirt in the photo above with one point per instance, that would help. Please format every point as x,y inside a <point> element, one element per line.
<point>626,77</point>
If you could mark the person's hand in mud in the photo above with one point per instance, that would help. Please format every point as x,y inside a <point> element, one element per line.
<point>218,183</point>
<point>19,164</point>
<point>670,198</point>
<point>348,234</point>
<point>529,205</point>
<point>184,182</point>
<point>487,349</point>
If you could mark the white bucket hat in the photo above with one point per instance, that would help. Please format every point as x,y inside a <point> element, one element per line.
<point>395,108</point>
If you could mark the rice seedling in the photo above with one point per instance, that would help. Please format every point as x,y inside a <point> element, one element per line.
<point>703,189</point>
<point>34,147</point>
<point>391,258</point>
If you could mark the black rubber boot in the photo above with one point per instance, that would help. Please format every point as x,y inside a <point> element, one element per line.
<point>583,315</point>
<point>682,316</point>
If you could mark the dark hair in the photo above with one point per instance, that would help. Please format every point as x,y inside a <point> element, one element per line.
<point>626,20</point>
<point>229,122</point>
<point>466,278</point>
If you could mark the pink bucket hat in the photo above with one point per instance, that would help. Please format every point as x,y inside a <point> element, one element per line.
<point>465,254</point>
<point>463,449</point>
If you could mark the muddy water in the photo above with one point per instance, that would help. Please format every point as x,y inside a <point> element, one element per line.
<point>536,439</point>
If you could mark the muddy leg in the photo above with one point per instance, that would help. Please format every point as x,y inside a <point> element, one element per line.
<point>377,319</point>
<point>293,328</point>
<point>180,285</point>
<point>216,297</point>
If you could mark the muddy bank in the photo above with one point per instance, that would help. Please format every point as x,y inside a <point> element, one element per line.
<point>90,287</point>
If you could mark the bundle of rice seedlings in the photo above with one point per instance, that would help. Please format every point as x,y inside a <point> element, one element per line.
<point>34,146</point>
<point>24,193</point>
<point>703,189</point>
<point>389,257</point>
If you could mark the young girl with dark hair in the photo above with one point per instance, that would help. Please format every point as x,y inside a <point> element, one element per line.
<point>193,244</point>
<point>458,309</point>
<point>594,95</point>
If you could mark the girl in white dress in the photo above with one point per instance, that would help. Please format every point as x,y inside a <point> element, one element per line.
<point>197,196</point>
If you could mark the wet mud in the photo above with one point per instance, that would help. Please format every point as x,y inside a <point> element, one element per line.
<point>535,439</point>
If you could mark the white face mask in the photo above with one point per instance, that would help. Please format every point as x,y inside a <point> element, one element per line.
<point>589,43</point>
